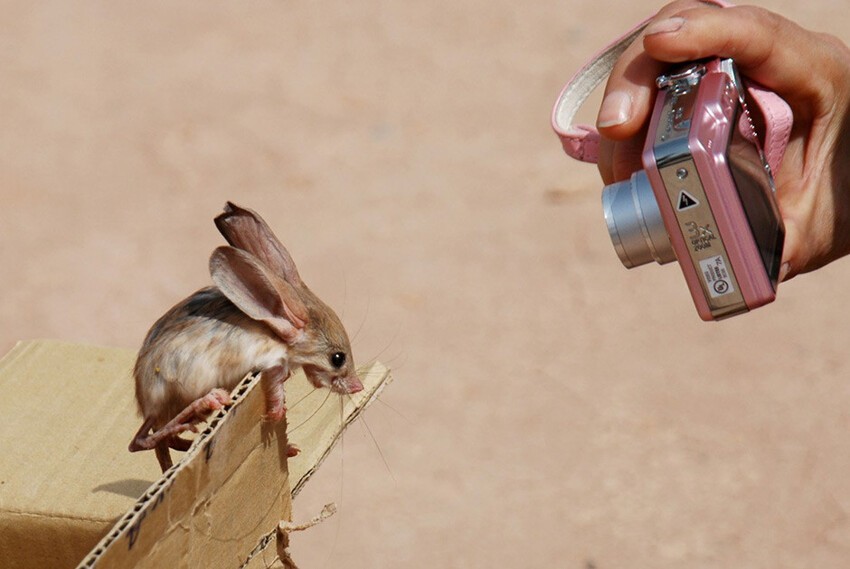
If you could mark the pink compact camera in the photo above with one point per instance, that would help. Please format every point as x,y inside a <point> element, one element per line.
<point>705,196</point>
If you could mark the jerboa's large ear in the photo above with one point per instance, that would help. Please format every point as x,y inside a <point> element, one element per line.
<point>258,292</point>
<point>245,229</point>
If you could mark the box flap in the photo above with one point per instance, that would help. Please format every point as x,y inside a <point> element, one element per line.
<point>67,412</point>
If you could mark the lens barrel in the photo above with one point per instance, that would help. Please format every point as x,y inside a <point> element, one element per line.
<point>634,222</point>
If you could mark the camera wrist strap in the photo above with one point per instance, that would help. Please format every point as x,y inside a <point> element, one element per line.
<point>581,142</point>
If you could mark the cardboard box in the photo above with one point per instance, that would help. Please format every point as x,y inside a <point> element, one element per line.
<point>71,493</point>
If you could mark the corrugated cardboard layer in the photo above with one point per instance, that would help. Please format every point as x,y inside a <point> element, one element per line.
<point>67,415</point>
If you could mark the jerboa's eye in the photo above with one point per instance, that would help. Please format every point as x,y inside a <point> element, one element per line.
<point>338,359</point>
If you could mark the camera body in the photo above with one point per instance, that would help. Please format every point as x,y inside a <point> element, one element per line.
<point>705,196</point>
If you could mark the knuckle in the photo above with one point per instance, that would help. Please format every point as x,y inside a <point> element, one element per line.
<point>764,27</point>
<point>762,19</point>
<point>757,13</point>
<point>837,47</point>
<point>679,6</point>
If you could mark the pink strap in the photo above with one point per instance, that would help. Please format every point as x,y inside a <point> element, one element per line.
<point>582,141</point>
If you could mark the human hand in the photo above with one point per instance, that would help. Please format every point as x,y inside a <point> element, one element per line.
<point>811,71</point>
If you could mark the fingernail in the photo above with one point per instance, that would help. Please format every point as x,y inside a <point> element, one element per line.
<point>783,271</point>
<point>664,26</point>
<point>615,110</point>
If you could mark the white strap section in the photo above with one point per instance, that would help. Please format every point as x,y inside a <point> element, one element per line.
<point>588,78</point>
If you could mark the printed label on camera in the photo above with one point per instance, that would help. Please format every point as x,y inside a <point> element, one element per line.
<point>716,276</point>
<point>701,236</point>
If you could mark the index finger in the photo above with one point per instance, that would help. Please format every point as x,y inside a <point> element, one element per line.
<point>767,48</point>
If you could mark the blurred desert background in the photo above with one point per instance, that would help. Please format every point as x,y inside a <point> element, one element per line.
<point>550,408</point>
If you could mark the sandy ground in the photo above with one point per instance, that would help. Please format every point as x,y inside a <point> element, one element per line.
<point>550,408</point>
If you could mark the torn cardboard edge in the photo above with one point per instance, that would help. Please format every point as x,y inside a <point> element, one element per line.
<point>175,520</point>
<point>285,528</point>
<point>282,532</point>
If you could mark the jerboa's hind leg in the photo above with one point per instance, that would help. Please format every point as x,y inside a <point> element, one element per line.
<point>167,436</point>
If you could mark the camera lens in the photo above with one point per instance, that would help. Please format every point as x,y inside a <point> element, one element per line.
<point>634,222</point>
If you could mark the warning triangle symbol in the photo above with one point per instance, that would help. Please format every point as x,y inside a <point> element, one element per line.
<point>686,201</point>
